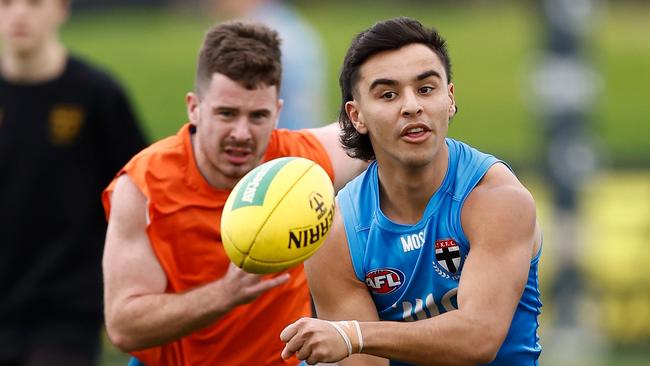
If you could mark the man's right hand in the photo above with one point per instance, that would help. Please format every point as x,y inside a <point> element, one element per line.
<point>139,311</point>
<point>243,287</point>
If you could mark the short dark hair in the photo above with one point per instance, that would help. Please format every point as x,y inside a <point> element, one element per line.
<point>246,52</point>
<point>391,34</point>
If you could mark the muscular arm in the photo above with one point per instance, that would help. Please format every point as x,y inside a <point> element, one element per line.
<point>499,221</point>
<point>345,167</point>
<point>139,314</point>
<point>337,292</point>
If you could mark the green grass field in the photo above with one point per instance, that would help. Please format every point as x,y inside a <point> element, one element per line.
<point>494,46</point>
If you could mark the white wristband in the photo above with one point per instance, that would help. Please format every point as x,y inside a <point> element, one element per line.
<point>346,339</point>
<point>359,335</point>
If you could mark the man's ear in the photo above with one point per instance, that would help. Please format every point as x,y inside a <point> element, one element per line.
<point>65,12</point>
<point>193,107</point>
<point>356,117</point>
<point>278,111</point>
<point>452,106</point>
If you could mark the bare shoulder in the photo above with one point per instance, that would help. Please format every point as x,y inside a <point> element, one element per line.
<point>128,209</point>
<point>500,187</point>
<point>126,193</point>
<point>345,167</point>
<point>500,209</point>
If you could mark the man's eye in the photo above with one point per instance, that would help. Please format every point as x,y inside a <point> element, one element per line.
<point>389,95</point>
<point>426,89</point>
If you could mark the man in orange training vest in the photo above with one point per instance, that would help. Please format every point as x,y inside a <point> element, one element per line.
<point>171,295</point>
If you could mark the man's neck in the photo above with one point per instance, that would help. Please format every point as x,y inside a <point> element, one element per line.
<point>405,193</point>
<point>43,64</point>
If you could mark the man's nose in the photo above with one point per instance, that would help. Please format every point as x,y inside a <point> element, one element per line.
<point>241,130</point>
<point>411,105</point>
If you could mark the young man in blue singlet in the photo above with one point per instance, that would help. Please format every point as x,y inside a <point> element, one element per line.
<point>433,255</point>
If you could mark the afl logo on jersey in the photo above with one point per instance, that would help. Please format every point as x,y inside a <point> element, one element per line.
<point>385,280</point>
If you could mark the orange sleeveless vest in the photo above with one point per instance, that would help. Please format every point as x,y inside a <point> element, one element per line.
<point>184,231</point>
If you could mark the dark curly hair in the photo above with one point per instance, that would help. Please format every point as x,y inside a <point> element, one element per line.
<point>391,34</point>
<point>247,52</point>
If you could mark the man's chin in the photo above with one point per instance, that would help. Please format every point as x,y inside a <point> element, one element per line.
<point>239,171</point>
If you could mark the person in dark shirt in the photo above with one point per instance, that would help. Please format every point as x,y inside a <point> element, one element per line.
<point>65,130</point>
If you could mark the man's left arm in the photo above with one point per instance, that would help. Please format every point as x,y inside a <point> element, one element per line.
<point>500,223</point>
<point>345,167</point>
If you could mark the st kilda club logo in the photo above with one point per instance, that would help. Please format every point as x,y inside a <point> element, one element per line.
<point>448,255</point>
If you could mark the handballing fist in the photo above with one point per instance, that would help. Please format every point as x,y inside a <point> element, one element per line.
<point>315,340</point>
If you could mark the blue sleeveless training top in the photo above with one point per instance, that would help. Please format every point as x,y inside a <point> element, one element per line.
<point>413,271</point>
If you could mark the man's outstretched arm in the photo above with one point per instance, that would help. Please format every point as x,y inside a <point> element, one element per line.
<point>138,312</point>
<point>338,295</point>
<point>499,221</point>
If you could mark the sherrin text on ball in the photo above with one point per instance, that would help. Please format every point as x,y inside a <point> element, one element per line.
<point>277,215</point>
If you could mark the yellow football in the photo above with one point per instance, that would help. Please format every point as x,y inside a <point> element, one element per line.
<point>277,215</point>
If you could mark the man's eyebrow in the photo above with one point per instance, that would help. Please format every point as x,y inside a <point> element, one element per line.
<point>391,82</point>
<point>428,73</point>
<point>262,111</point>
<point>378,82</point>
<point>221,108</point>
